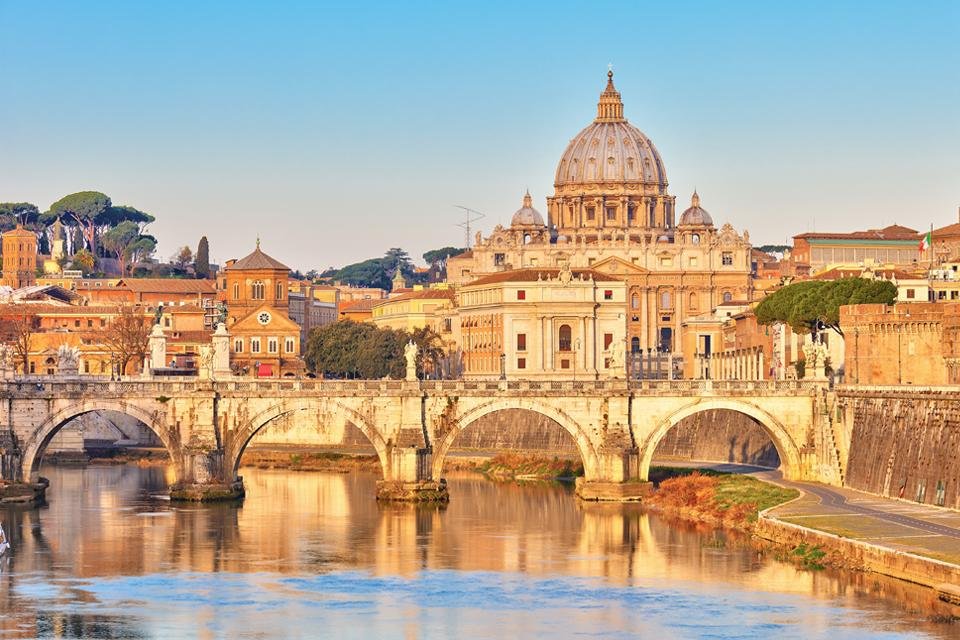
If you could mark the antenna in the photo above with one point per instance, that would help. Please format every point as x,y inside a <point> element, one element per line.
<point>472,215</point>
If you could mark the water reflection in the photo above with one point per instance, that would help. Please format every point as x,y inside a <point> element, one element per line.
<point>110,557</point>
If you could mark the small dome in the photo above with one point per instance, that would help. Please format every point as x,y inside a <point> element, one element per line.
<point>527,216</point>
<point>696,215</point>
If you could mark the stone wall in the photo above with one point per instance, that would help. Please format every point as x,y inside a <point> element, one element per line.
<point>719,435</point>
<point>906,445</point>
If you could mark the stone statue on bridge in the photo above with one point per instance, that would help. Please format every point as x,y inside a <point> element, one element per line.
<point>7,361</point>
<point>410,353</point>
<point>68,360</point>
<point>205,368</point>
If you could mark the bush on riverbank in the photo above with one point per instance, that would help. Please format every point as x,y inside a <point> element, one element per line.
<point>729,499</point>
<point>520,466</point>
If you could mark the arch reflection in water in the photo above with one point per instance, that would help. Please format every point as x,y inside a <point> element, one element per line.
<point>314,549</point>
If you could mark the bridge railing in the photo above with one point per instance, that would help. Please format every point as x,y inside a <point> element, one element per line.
<point>92,386</point>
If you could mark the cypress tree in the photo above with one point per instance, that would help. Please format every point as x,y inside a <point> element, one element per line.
<point>201,263</point>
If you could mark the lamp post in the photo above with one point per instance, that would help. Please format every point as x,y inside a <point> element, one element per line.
<point>503,366</point>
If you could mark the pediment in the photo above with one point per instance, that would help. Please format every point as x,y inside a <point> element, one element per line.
<point>614,265</point>
<point>278,321</point>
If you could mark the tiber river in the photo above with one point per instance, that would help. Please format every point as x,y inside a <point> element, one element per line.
<point>312,555</point>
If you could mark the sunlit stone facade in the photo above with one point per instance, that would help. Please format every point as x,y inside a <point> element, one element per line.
<point>611,212</point>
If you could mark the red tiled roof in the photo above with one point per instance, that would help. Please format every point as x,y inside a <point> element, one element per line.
<point>949,230</point>
<point>167,285</point>
<point>532,275</point>
<point>893,232</point>
<point>364,304</point>
<point>257,260</point>
<point>425,294</point>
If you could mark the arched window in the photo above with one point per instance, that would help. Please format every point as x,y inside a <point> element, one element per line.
<point>565,335</point>
<point>695,238</point>
<point>634,344</point>
<point>727,296</point>
<point>635,301</point>
<point>236,290</point>
<point>279,291</point>
<point>526,238</point>
<point>256,290</point>
<point>665,302</point>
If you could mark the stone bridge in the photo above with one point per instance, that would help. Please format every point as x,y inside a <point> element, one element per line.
<point>206,425</point>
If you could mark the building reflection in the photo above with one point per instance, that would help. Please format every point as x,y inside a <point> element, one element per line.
<point>112,521</point>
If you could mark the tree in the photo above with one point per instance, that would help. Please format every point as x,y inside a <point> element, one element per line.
<point>120,241</point>
<point>350,349</point>
<point>84,261</point>
<point>811,305</point>
<point>334,349</point>
<point>369,273</point>
<point>19,325</point>
<point>201,262</point>
<point>439,257</point>
<point>182,258</point>
<point>397,258</point>
<point>80,209</point>
<point>127,337</point>
<point>14,213</point>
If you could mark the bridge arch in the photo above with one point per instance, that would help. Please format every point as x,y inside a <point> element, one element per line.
<point>43,434</point>
<point>786,447</point>
<point>586,448</point>
<point>239,441</point>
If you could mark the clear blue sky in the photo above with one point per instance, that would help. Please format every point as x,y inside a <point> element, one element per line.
<point>335,133</point>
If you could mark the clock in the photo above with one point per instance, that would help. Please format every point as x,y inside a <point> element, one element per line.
<point>264,317</point>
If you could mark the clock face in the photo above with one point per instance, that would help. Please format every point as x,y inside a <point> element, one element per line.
<point>263,317</point>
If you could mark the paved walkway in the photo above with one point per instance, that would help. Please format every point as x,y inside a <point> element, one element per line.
<point>906,526</point>
<point>922,529</point>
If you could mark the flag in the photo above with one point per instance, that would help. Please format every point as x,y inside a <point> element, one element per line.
<point>926,242</point>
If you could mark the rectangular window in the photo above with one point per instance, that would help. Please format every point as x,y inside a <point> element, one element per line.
<point>590,213</point>
<point>86,366</point>
<point>238,345</point>
<point>608,294</point>
<point>89,323</point>
<point>499,259</point>
<point>693,261</point>
<point>727,258</point>
<point>254,345</point>
<point>76,324</point>
<point>911,294</point>
<point>666,262</point>
<point>521,295</point>
<point>607,340</point>
<point>590,261</point>
<point>611,213</point>
<point>521,342</point>
<point>521,363</point>
<point>288,345</point>
<point>271,345</point>
<point>564,364</point>
<point>236,290</point>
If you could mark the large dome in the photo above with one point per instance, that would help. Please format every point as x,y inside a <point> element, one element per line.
<point>611,150</point>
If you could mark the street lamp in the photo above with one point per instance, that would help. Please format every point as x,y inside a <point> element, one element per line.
<point>503,366</point>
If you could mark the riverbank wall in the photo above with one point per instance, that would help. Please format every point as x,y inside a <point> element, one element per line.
<point>855,554</point>
<point>903,442</point>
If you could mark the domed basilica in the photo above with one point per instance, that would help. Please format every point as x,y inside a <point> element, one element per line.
<point>611,212</point>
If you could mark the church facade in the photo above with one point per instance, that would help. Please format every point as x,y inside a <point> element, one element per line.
<point>611,212</point>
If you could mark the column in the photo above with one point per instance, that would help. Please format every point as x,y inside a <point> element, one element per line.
<point>644,320</point>
<point>763,374</point>
<point>549,342</point>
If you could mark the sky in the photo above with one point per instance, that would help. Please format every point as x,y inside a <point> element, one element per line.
<point>334,132</point>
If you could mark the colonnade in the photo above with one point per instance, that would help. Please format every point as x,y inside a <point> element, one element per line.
<point>733,364</point>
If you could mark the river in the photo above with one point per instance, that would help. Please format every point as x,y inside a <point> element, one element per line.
<point>311,555</point>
